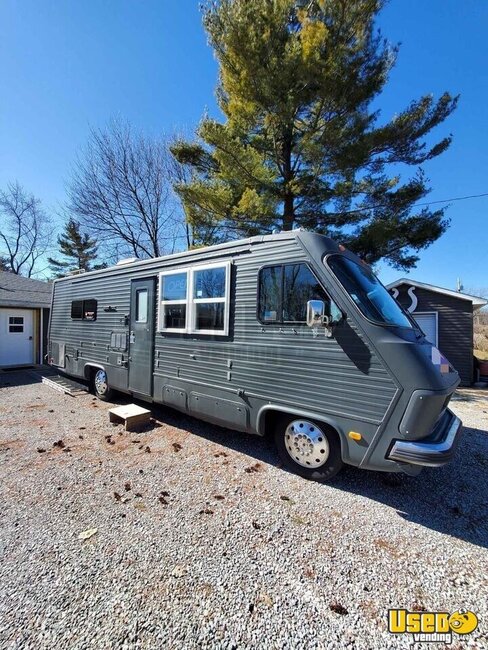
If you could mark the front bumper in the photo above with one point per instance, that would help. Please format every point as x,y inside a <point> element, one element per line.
<point>434,451</point>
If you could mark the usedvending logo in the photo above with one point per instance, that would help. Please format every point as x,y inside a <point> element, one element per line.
<point>431,627</point>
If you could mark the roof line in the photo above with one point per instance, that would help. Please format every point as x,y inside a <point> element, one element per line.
<point>476,300</point>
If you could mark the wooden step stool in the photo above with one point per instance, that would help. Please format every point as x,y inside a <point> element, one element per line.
<point>132,415</point>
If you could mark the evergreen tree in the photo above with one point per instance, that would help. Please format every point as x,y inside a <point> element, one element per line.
<point>301,144</point>
<point>78,247</point>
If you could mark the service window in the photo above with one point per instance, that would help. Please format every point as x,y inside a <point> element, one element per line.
<point>89,310</point>
<point>77,309</point>
<point>16,324</point>
<point>284,291</point>
<point>195,300</point>
<point>84,310</point>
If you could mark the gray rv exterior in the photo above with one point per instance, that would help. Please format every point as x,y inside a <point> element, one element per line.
<point>243,380</point>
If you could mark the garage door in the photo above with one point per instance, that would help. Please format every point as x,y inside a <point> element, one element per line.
<point>16,337</point>
<point>428,325</point>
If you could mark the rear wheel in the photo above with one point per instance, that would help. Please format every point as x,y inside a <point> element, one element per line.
<point>309,449</point>
<point>100,385</point>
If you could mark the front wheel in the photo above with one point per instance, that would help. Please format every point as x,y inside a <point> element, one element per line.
<point>308,449</point>
<point>100,385</point>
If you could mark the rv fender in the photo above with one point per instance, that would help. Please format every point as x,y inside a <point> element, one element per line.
<point>264,411</point>
<point>89,367</point>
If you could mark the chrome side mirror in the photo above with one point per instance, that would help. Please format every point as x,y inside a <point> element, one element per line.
<point>316,314</point>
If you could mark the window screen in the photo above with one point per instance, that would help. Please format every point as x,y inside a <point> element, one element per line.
<point>284,292</point>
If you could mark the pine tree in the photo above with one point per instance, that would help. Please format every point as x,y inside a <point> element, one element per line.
<point>78,247</point>
<point>301,144</point>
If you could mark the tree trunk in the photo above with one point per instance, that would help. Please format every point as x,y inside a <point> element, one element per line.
<point>288,212</point>
<point>288,198</point>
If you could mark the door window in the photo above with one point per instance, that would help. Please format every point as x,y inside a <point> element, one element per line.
<point>16,324</point>
<point>141,306</point>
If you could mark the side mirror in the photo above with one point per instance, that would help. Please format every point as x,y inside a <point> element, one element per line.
<point>316,314</point>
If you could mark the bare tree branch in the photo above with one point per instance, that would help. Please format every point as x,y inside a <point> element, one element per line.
<point>121,189</point>
<point>25,230</point>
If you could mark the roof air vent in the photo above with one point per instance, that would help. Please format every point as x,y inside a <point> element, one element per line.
<point>126,260</point>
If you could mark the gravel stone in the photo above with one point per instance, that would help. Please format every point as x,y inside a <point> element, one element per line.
<point>217,546</point>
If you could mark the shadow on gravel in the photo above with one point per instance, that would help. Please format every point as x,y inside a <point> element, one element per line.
<point>20,377</point>
<point>451,500</point>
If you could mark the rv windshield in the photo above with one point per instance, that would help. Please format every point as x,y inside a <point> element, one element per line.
<point>371,297</point>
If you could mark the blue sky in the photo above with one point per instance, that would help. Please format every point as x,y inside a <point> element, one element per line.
<point>68,65</point>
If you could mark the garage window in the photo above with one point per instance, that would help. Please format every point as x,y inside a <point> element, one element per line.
<point>427,321</point>
<point>84,310</point>
<point>16,324</point>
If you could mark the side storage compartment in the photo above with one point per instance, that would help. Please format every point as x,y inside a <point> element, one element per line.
<point>222,411</point>
<point>175,397</point>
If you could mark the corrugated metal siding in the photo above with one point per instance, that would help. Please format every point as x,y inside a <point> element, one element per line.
<point>284,365</point>
<point>455,326</point>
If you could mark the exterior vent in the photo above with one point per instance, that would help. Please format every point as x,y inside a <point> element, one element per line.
<point>127,260</point>
<point>76,272</point>
<point>58,354</point>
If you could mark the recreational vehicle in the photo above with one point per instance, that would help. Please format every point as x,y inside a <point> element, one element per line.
<point>288,335</point>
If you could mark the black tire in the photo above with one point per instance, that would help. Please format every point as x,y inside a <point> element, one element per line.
<point>100,385</point>
<point>302,444</point>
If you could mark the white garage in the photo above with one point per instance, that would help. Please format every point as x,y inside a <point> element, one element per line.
<point>24,315</point>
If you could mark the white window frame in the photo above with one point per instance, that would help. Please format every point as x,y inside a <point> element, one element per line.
<point>162,303</point>
<point>191,302</point>
<point>225,299</point>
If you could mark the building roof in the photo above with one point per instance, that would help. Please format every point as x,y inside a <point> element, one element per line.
<point>475,300</point>
<point>17,291</point>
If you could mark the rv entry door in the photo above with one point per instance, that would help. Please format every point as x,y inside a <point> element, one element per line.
<point>141,336</point>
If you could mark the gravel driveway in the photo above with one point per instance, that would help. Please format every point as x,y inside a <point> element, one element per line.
<point>203,540</point>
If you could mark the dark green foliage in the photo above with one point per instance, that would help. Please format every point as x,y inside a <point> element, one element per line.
<point>78,247</point>
<point>301,145</point>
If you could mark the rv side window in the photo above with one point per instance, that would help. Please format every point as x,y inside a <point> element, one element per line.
<point>84,310</point>
<point>77,309</point>
<point>173,292</point>
<point>284,292</point>
<point>196,300</point>
<point>209,288</point>
<point>89,310</point>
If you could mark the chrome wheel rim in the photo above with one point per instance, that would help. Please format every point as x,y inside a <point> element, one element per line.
<point>306,444</point>
<point>101,384</point>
